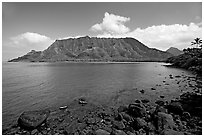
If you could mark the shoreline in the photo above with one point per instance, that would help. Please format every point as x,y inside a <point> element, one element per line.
<point>89,118</point>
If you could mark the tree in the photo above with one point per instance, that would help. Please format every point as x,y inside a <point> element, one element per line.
<point>197,42</point>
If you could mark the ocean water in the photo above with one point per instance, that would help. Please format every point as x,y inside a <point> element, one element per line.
<point>32,86</point>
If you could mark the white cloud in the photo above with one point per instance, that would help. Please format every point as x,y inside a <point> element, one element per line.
<point>23,43</point>
<point>112,24</point>
<point>31,40</point>
<point>161,36</point>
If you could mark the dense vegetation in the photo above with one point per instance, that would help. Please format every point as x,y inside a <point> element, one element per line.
<point>191,59</point>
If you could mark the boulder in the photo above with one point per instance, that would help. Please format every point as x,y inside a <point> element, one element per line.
<point>33,119</point>
<point>175,107</point>
<point>145,100</point>
<point>137,110</point>
<point>164,122</point>
<point>102,132</point>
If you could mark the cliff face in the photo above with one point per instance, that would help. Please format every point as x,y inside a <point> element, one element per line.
<point>86,48</point>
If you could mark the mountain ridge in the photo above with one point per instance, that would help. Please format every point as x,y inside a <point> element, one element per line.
<point>93,48</point>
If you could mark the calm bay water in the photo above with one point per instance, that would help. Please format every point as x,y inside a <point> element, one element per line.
<point>31,86</point>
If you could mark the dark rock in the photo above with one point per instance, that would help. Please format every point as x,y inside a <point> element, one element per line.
<point>142,91</point>
<point>32,119</point>
<point>122,109</point>
<point>153,88</point>
<point>118,124</point>
<point>137,110</point>
<point>102,132</point>
<point>178,76</point>
<point>160,102</point>
<point>162,96</point>
<point>175,107</point>
<point>145,100</point>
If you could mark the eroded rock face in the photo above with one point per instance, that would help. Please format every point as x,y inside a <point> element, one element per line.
<point>33,119</point>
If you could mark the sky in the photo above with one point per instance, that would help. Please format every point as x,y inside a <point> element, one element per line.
<point>35,26</point>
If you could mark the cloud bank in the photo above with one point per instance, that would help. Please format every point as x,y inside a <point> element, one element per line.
<point>160,36</point>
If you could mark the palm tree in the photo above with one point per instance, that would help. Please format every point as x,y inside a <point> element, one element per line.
<point>197,42</point>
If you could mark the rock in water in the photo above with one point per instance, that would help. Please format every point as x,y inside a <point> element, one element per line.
<point>63,107</point>
<point>32,119</point>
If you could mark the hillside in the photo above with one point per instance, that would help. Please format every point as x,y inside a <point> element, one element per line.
<point>97,49</point>
<point>174,51</point>
<point>191,60</point>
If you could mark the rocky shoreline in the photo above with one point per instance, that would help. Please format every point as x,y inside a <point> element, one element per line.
<point>178,116</point>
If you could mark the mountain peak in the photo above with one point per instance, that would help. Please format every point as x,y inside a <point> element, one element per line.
<point>174,51</point>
